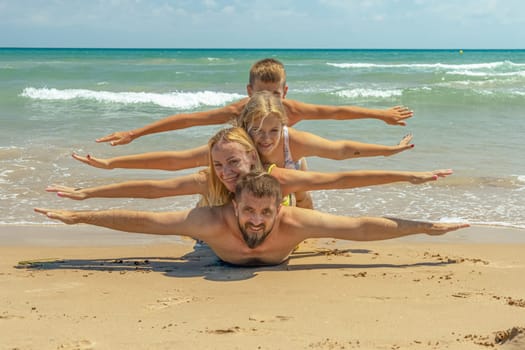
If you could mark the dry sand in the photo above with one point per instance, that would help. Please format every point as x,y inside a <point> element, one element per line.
<point>80,287</point>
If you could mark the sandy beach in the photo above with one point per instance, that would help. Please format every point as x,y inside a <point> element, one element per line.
<point>64,287</point>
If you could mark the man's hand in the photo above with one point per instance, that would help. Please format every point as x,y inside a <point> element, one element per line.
<point>67,192</point>
<point>66,216</point>
<point>397,115</point>
<point>94,162</point>
<point>118,138</point>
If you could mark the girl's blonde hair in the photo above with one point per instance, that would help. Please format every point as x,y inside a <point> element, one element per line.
<point>261,105</point>
<point>218,194</point>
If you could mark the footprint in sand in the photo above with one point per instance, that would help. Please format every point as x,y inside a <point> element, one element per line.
<point>235,329</point>
<point>170,301</point>
<point>263,319</point>
<point>511,301</point>
<point>56,287</point>
<point>335,344</point>
<point>83,344</point>
<point>513,338</point>
<point>508,335</point>
<point>6,316</point>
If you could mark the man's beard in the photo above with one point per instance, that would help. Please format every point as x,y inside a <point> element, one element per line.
<point>254,240</point>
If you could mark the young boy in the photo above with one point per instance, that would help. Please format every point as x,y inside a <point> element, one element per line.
<point>267,74</point>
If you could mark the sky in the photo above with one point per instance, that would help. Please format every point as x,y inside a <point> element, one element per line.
<point>376,24</point>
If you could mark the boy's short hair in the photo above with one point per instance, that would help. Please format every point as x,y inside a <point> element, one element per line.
<point>260,185</point>
<point>268,70</point>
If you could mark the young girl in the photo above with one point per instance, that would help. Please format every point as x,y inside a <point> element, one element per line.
<point>265,120</point>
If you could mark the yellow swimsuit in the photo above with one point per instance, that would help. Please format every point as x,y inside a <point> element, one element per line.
<point>288,200</point>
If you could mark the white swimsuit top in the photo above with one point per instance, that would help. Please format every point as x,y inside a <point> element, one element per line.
<point>289,163</point>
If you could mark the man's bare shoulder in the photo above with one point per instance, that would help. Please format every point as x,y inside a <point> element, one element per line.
<point>216,214</point>
<point>294,217</point>
<point>303,217</point>
<point>208,222</point>
<point>222,216</point>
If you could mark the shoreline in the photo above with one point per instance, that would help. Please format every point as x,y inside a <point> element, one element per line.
<point>86,235</point>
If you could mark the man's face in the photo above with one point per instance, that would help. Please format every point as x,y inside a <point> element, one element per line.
<point>255,217</point>
<point>231,161</point>
<point>278,89</point>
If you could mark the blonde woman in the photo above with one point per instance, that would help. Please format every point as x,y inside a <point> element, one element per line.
<point>232,154</point>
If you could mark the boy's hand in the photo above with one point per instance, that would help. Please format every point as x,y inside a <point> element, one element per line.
<point>397,115</point>
<point>118,138</point>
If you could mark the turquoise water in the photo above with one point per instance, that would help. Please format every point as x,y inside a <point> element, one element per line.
<point>469,111</point>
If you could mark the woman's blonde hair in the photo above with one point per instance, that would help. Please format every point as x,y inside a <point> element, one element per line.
<point>261,105</point>
<point>218,194</point>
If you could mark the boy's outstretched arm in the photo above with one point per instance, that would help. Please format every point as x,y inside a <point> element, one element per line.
<point>177,121</point>
<point>298,111</point>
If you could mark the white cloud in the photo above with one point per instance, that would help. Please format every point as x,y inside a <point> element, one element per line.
<point>257,23</point>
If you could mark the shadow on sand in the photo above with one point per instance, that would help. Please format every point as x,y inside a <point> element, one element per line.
<point>202,262</point>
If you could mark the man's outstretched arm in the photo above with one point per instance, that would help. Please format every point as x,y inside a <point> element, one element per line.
<point>315,224</point>
<point>184,223</point>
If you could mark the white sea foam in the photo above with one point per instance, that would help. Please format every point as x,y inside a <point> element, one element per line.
<point>355,93</point>
<point>451,220</point>
<point>4,176</point>
<point>179,100</point>
<point>521,183</point>
<point>467,66</point>
<point>472,73</point>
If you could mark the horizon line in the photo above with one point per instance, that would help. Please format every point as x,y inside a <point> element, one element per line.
<point>255,48</point>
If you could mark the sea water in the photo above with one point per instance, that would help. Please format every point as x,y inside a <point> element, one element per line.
<point>469,116</point>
